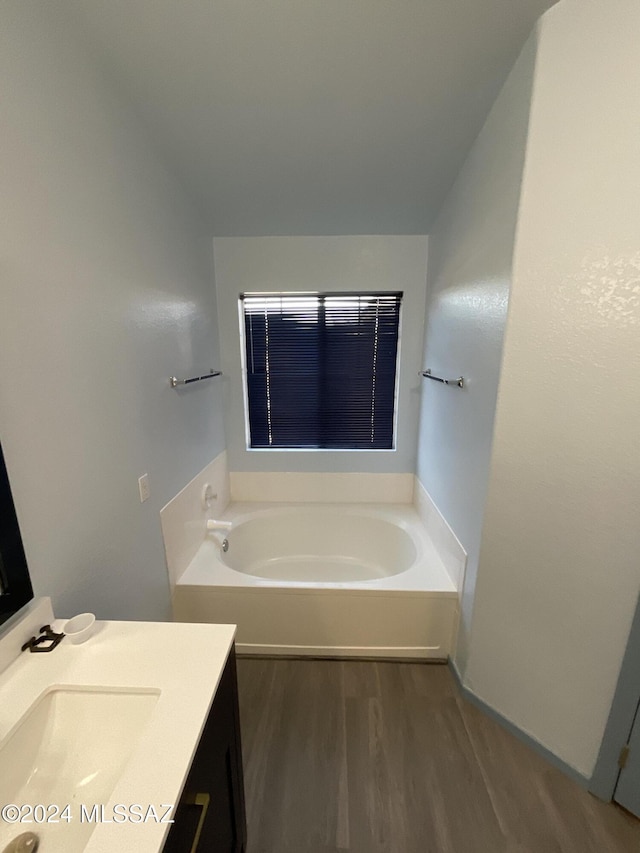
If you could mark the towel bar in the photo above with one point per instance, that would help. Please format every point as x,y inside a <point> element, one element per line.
<point>428,375</point>
<point>175,382</point>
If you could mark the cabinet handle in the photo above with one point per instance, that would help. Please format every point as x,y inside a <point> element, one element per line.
<point>203,801</point>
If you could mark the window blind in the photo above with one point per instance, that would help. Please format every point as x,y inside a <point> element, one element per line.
<point>321,369</point>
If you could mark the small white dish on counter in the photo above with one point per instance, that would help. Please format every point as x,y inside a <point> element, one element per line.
<point>80,628</point>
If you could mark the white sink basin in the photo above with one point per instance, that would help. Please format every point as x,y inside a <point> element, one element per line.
<point>70,747</point>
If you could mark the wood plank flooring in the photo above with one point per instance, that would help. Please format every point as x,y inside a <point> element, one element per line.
<point>372,757</point>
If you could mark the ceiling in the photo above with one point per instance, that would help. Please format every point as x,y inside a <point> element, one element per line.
<point>312,116</point>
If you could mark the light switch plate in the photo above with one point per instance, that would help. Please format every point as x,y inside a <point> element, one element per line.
<point>143,486</point>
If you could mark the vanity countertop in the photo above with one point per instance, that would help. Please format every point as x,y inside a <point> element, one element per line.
<point>182,662</point>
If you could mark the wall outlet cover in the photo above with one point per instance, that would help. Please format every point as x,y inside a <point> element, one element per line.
<point>144,488</point>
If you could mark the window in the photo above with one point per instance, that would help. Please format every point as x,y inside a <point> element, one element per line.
<point>321,369</point>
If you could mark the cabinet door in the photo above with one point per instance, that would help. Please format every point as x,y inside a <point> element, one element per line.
<point>210,817</point>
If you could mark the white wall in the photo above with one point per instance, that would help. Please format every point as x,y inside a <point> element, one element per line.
<point>106,291</point>
<point>322,263</point>
<point>470,258</point>
<point>560,564</point>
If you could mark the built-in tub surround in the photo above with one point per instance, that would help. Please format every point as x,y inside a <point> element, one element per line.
<point>184,518</point>
<point>445,541</point>
<point>293,486</point>
<point>340,580</point>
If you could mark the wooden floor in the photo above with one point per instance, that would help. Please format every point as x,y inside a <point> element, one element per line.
<point>389,758</point>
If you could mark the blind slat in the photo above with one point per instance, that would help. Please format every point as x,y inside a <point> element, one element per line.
<point>321,369</point>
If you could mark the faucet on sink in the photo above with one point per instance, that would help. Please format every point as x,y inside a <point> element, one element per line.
<point>46,642</point>
<point>27,842</point>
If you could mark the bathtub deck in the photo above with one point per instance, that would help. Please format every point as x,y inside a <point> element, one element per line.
<point>206,570</point>
<point>429,576</point>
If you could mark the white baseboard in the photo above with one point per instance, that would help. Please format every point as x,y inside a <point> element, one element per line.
<point>413,652</point>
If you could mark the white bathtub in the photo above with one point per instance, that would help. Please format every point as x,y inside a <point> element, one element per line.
<point>329,580</point>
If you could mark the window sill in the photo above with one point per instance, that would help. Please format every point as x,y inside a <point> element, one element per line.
<point>319,450</point>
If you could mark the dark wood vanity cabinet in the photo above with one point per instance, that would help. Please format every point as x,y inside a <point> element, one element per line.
<point>210,817</point>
